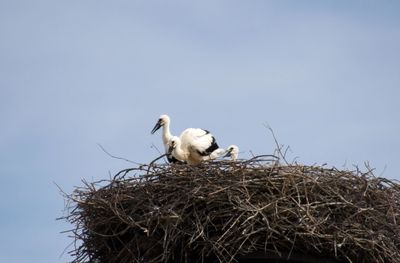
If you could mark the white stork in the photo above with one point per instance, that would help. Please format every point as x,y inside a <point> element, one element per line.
<point>233,152</point>
<point>200,143</point>
<point>175,149</point>
<point>164,122</point>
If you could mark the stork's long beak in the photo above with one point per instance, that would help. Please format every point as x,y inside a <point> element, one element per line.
<point>156,127</point>
<point>228,153</point>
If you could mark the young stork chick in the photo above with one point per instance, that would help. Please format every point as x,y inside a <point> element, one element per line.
<point>233,152</point>
<point>164,122</point>
<point>176,151</point>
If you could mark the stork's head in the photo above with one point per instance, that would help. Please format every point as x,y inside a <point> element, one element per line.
<point>233,152</point>
<point>173,143</point>
<point>163,120</point>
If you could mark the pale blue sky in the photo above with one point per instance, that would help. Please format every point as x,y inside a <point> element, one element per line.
<point>323,74</point>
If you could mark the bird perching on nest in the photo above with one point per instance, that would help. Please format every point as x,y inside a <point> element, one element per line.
<point>233,152</point>
<point>193,146</point>
<point>164,122</point>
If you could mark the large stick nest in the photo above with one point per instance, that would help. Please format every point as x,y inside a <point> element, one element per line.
<point>222,211</point>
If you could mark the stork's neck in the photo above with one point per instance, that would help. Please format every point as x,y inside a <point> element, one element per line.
<point>166,135</point>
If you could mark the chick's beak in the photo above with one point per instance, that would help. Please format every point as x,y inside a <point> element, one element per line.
<point>228,153</point>
<point>156,127</point>
<point>170,149</point>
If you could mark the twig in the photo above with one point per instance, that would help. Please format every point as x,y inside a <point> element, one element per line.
<point>115,157</point>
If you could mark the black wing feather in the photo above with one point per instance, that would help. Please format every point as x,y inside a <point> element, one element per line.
<point>210,149</point>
